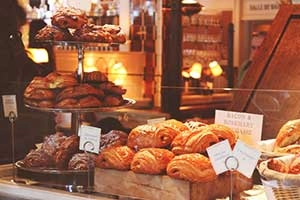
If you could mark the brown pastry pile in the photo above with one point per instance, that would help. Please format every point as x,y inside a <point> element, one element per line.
<point>288,138</point>
<point>292,167</point>
<point>170,147</point>
<point>63,91</point>
<point>72,24</point>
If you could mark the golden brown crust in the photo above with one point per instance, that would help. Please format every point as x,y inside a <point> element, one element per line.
<point>191,167</point>
<point>113,138</point>
<point>151,161</point>
<point>92,33</point>
<point>68,17</point>
<point>40,103</point>
<point>223,132</point>
<point>294,167</point>
<point>79,91</point>
<point>53,33</point>
<point>38,94</point>
<point>115,158</point>
<point>113,100</point>
<point>289,134</point>
<point>193,141</point>
<point>175,125</point>
<point>144,136</point>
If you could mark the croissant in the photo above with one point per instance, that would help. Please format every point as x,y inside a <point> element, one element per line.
<point>151,161</point>
<point>193,141</point>
<point>191,167</point>
<point>115,158</point>
<point>222,132</point>
<point>175,125</point>
<point>288,134</point>
<point>144,136</point>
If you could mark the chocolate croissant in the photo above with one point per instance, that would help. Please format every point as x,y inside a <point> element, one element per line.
<point>191,167</point>
<point>115,158</point>
<point>151,161</point>
<point>144,136</point>
<point>222,132</point>
<point>193,141</point>
<point>175,124</point>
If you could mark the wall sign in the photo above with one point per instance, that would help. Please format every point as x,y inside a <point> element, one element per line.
<point>259,9</point>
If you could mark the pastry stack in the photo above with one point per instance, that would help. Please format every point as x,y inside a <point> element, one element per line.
<point>170,147</point>
<point>71,24</point>
<point>57,90</point>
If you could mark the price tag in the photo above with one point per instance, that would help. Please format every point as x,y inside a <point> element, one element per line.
<point>247,158</point>
<point>9,105</point>
<point>156,120</point>
<point>89,139</point>
<point>247,126</point>
<point>219,154</point>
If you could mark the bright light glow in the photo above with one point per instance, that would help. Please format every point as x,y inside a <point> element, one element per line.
<point>196,70</point>
<point>118,73</point>
<point>38,55</point>
<point>90,65</point>
<point>94,1</point>
<point>215,68</point>
<point>189,1</point>
<point>185,74</point>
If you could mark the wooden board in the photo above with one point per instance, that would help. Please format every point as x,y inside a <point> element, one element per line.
<point>156,187</point>
<point>271,83</point>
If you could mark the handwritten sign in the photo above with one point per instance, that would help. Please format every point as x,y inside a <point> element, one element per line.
<point>248,126</point>
<point>259,9</point>
<point>89,139</point>
<point>9,105</point>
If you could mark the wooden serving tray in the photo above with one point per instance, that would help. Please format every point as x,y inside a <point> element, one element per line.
<point>157,187</point>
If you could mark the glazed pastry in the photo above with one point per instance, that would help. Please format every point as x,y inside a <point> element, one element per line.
<point>92,33</point>
<point>52,143</point>
<point>67,103</point>
<point>191,167</point>
<point>289,134</point>
<point>278,165</point>
<point>113,100</point>
<point>193,125</point>
<point>115,158</point>
<point>193,141</point>
<point>53,33</point>
<point>290,149</point>
<point>294,167</point>
<point>67,148</point>
<point>175,125</point>
<point>79,91</point>
<point>222,132</point>
<point>68,17</point>
<point>82,161</point>
<point>151,161</point>
<point>118,36</point>
<point>144,136</point>
<point>40,103</point>
<point>110,88</point>
<point>38,158</point>
<point>38,94</point>
<point>89,102</point>
<point>113,138</point>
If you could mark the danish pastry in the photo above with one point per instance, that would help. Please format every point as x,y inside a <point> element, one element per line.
<point>52,143</point>
<point>113,138</point>
<point>222,132</point>
<point>193,141</point>
<point>191,167</point>
<point>53,33</point>
<point>82,161</point>
<point>38,94</point>
<point>79,91</point>
<point>151,161</point>
<point>68,17</point>
<point>38,158</point>
<point>92,33</point>
<point>115,158</point>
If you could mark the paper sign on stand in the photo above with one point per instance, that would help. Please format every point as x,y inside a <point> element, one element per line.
<point>218,154</point>
<point>248,126</point>
<point>89,139</point>
<point>9,105</point>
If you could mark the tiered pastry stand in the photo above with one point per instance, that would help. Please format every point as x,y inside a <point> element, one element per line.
<point>72,180</point>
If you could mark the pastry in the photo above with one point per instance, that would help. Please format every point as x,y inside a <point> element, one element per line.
<point>53,33</point>
<point>175,125</point>
<point>118,36</point>
<point>113,100</point>
<point>52,143</point>
<point>110,88</point>
<point>82,161</point>
<point>222,132</point>
<point>67,148</point>
<point>67,103</point>
<point>113,138</point>
<point>144,136</point>
<point>193,141</point>
<point>40,103</point>
<point>92,33</point>
<point>191,167</point>
<point>278,165</point>
<point>151,161</point>
<point>89,102</point>
<point>38,94</point>
<point>290,149</point>
<point>38,158</point>
<point>94,77</point>
<point>192,125</point>
<point>68,17</point>
<point>294,167</point>
<point>115,158</point>
<point>289,134</point>
<point>79,91</point>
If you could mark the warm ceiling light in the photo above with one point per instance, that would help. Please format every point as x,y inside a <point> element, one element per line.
<point>215,68</point>
<point>190,7</point>
<point>196,70</point>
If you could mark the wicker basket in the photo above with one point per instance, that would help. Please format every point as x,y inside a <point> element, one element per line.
<point>279,186</point>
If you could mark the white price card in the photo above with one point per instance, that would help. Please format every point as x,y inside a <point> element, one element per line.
<point>156,120</point>
<point>248,126</point>
<point>9,105</point>
<point>247,158</point>
<point>218,154</point>
<point>89,139</point>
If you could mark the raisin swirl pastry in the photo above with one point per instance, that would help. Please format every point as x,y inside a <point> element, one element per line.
<point>191,167</point>
<point>151,161</point>
<point>69,17</point>
<point>52,143</point>
<point>113,138</point>
<point>38,158</point>
<point>82,161</point>
<point>53,33</point>
<point>92,33</point>
<point>115,158</point>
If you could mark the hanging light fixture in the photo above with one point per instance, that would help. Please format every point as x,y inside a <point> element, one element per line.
<point>215,68</point>
<point>190,7</point>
